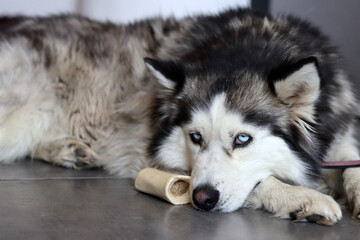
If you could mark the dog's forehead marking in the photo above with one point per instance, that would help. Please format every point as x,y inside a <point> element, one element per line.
<point>211,114</point>
<point>224,119</point>
<point>219,122</point>
<point>218,109</point>
<point>216,120</point>
<point>216,115</point>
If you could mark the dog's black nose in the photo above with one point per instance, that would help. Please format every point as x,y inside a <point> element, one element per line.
<point>205,197</point>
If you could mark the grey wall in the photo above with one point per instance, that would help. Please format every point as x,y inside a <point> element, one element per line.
<point>339,19</point>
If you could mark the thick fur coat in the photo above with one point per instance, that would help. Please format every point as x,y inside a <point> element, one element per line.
<point>244,102</point>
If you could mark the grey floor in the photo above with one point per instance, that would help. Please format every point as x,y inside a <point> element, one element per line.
<point>40,201</point>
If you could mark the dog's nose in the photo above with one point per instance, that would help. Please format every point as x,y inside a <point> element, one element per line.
<point>205,197</point>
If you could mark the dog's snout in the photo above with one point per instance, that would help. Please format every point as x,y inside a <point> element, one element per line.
<point>205,197</point>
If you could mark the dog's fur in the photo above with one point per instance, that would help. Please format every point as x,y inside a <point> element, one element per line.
<point>77,93</point>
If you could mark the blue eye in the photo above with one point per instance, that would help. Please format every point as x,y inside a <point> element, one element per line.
<point>196,138</point>
<point>242,140</point>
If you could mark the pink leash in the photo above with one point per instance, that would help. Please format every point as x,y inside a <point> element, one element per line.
<point>341,164</point>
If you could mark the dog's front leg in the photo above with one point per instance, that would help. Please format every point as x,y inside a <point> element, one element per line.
<point>352,188</point>
<point>295,202</point>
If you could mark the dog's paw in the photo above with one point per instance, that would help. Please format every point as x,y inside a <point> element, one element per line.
<point>319,209</point>
<point>306,204</point>
<point>297,202</point>
<point>83,155</point>
<point>68,152</point>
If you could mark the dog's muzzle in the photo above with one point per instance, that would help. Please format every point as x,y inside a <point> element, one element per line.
<point>205,197</point>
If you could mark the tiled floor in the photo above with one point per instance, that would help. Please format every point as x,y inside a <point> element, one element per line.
<point>39,201</point>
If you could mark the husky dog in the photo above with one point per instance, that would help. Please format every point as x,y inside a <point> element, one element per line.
<point>250,105</point>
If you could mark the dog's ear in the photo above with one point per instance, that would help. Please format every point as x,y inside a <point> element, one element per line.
<point>170,74</point>
<point>297,86</point>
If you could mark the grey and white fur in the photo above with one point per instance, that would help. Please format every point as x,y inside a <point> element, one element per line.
<point>249,104</point>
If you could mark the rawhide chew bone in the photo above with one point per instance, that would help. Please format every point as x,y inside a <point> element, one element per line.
<point>173,188</point>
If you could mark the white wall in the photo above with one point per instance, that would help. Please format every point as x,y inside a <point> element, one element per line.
<point>36,7</point>
<point>123,11</point>
<point>117,10</point>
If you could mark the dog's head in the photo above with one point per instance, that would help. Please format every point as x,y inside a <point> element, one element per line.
<point>232,129</point>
